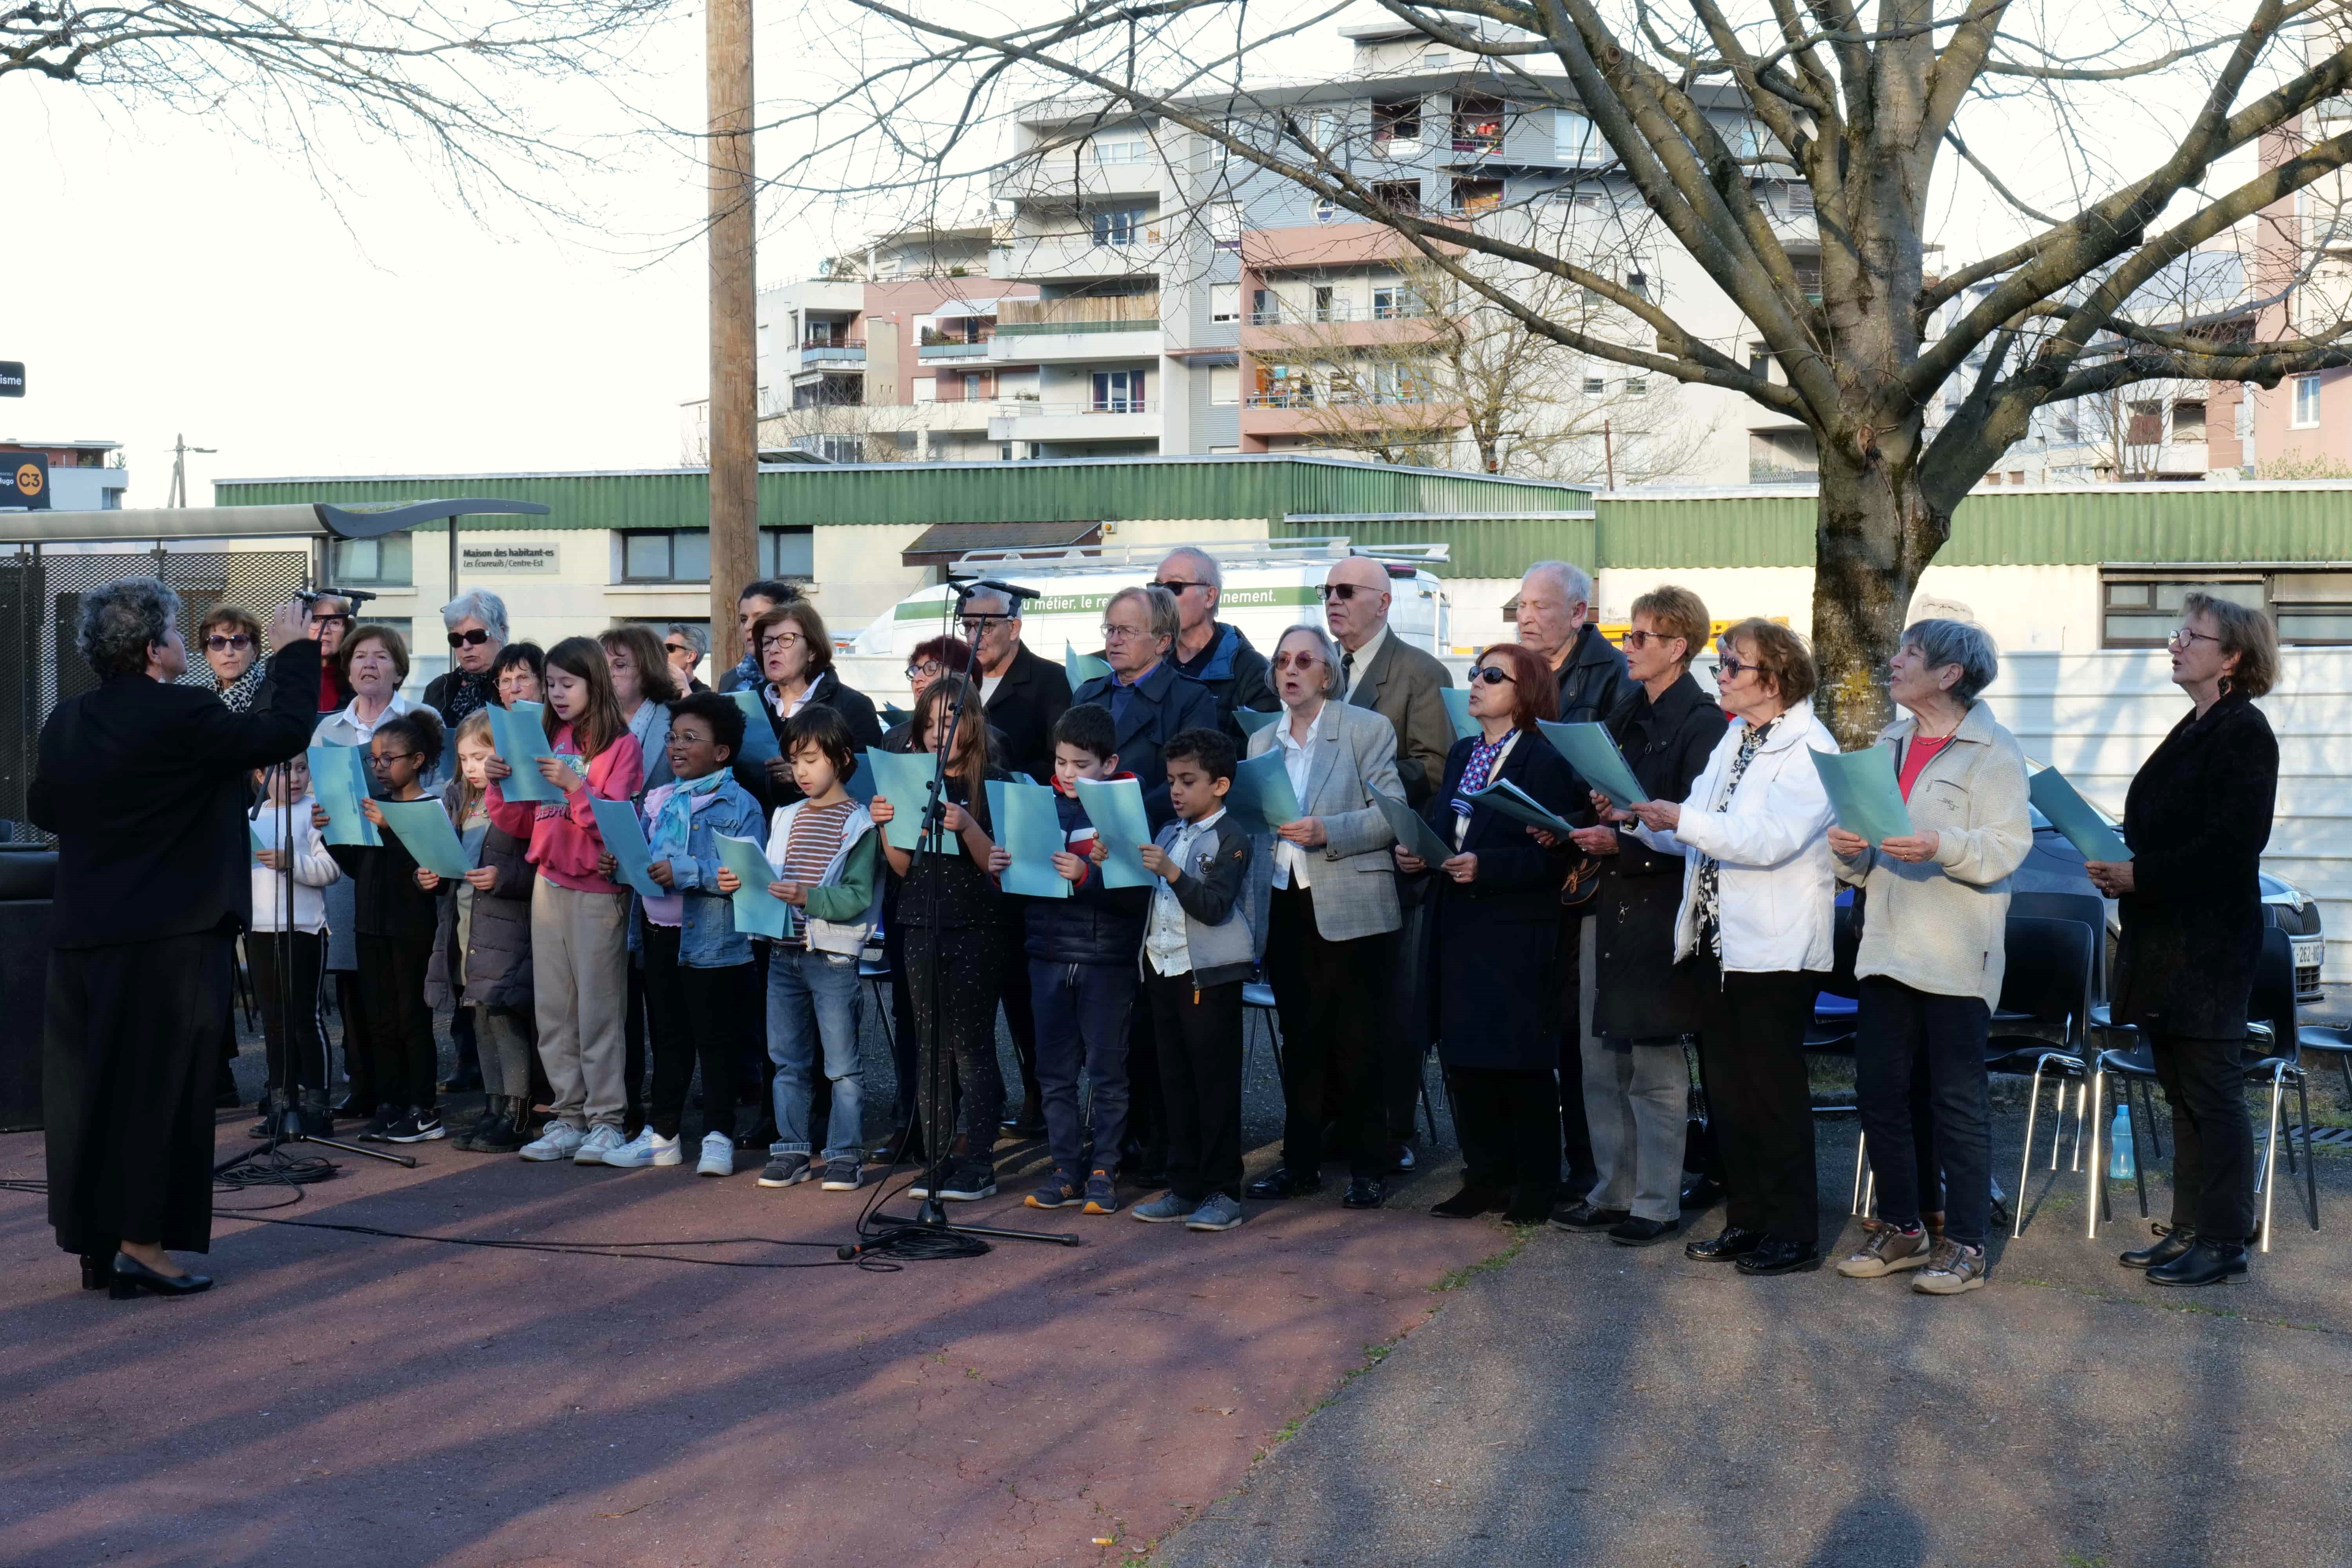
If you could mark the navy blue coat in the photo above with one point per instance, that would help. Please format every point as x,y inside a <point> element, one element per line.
<point>1165,703</point>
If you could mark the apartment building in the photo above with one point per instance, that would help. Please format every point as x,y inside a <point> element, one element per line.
<point>82,475</point>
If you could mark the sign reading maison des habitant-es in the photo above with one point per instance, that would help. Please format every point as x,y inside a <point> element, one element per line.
<point>532,560</point>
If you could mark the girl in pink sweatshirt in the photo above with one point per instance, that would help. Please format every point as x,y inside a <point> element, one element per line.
<point>579,921</point>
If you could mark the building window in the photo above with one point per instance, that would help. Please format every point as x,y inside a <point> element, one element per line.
<point>1637,284</point>
<point>1116,226</point>
<point>1477,124</point>
<point>1759,361</point>
<point>1118,391</point>
<point>1397,302</point>
<point>2070,426</point>
<point>2189,422</point>
<point>2140,610</point>
<point>1225,301</point>
<point>1574,139</point>
<point>1265,308</point>
<point>1400,196</point>
<point>1397,121</point>
<point>1225,224</point>
<point>1594,385</point>
<point>785,552</point>
<point>366,563</point>
<point>1129,147</point>
<point>1637,387</point>
<point>1224,385</point>
<point>2306,402</point>
<point>671,555</point>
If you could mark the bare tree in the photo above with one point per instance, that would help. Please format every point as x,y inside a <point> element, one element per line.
<point>1455,382</point>
<point>1711,115</point>
<point>439,80</point>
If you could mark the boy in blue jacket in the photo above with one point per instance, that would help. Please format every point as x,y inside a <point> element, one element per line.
<point>1082,980</point>
<point>702,993</point>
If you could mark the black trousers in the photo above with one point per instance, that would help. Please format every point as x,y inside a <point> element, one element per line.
<point>1509,1131</point>
<point>130,1047</point>
<point>2212,1138</point>
<point>1327,994</point>
<point>1575,1132</point>
<point>290,1033</point>
<point>694,1015</point>
<point>1752,1038</point>
<point>1404,1033</point>
<point>632,1040</point>
<point>1199,1034</point>
<point>1911,1045</point>
<point>357,1068</point>
<point>395,1025</point>
<point>966,963</point>
<point>1020,1010</point>
<point>1147,1107</point>
<point>902,1026</point>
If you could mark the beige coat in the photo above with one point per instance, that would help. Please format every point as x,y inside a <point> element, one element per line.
<point>1941,925</point>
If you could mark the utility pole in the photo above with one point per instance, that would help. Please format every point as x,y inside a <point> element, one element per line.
<point>1609,453</point>
<point>180,450</point>
<point>734,307</point>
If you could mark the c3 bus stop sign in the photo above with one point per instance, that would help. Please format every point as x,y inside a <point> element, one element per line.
<point>24,481</point>
<point>12,378</point>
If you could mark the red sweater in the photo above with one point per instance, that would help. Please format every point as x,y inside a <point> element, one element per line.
<point>564,843</point>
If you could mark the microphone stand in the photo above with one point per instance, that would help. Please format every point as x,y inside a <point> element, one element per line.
<point>932,1217</point>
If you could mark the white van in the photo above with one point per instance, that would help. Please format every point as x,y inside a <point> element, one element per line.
<point>1269,584</point>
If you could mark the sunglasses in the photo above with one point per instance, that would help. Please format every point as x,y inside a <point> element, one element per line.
<point>1300,661</point>
<point>218,641</point>
<point>676,647</point>
<point>1729,668</point>
<point>1492,675</point>
<point>1343,591</point>
<point>474,639</point>
<point>1642,639</point>
<point>1173,585</point>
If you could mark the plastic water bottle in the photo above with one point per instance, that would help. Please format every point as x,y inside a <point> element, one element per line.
<point>2119,1147</point>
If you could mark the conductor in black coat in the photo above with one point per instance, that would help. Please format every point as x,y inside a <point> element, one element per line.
<point>2197,817</point>
<point>1495,904</point>
<point>1021,693</point>
<point>1636,1087</point>
<point>143,783</point>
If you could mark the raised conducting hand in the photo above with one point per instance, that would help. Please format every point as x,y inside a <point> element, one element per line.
<point>290,626</point>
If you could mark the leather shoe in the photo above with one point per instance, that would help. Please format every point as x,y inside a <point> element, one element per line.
<point>1282,1181</point>
<point>2205,1263</point>
<point>1700,1190</point>
<point>1400,1159</point>
<point>1635,1231</point>
<point>1365,1193</point>
<point>1730,1247</point>
<point>2162,1250</point>
<point>133,1277</point>
<point>1773,1255</point>
<point>1528,1205</point>
<point>97,1268</point>
<point>1582,1215</point>
<point>1470,1202</point>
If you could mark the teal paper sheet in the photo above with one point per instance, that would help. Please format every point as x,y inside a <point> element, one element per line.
<point>1518,805</point>
<point>1863,794</point>
<point>2072,816</point>
<point>1416,836</point>
<point>424,828</point>
<point>1592,751</point>
<point>339,782</point>
<point>1115,807</point>
<point>624,841</point>
<point>1081,668</point>
<point>520,737</point>
<point>759,735</point>
<point>1457,708</point>
<point>1262,799</point>
<point>758,912</point>
<point>1252,721</point>
<point>1028,823</point>
<point>904,779</point>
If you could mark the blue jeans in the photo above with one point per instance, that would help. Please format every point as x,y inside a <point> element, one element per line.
<point>1083,1011</point>
<point>812,1005</point>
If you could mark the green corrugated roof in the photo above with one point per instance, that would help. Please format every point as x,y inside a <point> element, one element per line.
<point>1053,490</point>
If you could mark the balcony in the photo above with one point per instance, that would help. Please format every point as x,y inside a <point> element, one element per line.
<point>832,350</point>
<point>1316,410</point>
<point>1087,327</point>
<point>1079,257</point>
<point>1065,175</point>
<point>1106,419</point>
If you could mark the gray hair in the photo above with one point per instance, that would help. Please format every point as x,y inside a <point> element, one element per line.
<point>122,620</point>
<point>1942,642</point>
<point>1159,608</point>
<point>1325,649</point>
<point>1201,559</point>
<point>697,636</point>
<point>477,604</point>
<point>1573,582</point>
<point>1011,601</point>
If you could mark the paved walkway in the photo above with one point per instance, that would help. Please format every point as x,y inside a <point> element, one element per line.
<point>1591,1404</point>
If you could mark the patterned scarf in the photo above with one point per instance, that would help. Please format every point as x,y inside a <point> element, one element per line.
<point>467,694</point>
<point>1710,874</point>
<point>239,694</point>
<point>1474,771</point>
<point>674,822</point>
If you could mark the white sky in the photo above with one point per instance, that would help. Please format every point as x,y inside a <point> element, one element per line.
<point>169,277</point>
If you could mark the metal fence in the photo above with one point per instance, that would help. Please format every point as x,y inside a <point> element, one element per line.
<point>40,605</point>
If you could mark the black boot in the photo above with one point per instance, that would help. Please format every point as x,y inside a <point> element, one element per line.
<point>273,1117</point>
<point>311,1113</point>
<point>2206,1263</point>
<point>2160,1251</point>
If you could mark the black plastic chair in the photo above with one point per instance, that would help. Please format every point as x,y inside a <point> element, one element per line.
<point>2273,1053</point>
<point>2044,1025</point>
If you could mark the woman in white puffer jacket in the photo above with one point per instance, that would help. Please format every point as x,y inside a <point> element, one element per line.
<point>1758,892</point>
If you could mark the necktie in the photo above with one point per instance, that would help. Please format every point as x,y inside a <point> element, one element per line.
<point>1346,675</point>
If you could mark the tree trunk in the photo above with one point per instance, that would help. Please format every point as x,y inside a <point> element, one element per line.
<point>1874,535</point>
<point>734,477</point>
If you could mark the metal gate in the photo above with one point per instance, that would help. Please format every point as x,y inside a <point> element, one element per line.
<point>40,605</point>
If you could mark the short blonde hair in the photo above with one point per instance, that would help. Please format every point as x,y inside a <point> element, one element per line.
<point>1677,613</point>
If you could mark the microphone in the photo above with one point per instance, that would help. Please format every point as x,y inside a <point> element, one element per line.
<point>1012,592</point>
<point>354,597</point>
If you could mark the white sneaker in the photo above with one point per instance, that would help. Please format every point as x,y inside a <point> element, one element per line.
<point>647,1148</point>
<point>559,1141</point>
<point>718,1155</point>
<point>602,1139</point>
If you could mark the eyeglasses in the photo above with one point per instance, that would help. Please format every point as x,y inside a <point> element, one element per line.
<point>1299,661</point>
<point>1492,675</point>
<point>925,671</point>
<point>1111,634</point>
<point>782,639</point>
<point>331,620</point>
<point>1343,591</point>
<point>2186,637</point>
<point>474,639</point>
<point>1175,584</point>
<point>1638,639</point>
<point>1729,668</point>
<point>218,641</point>
<point>385,759</point>
<point>976,627</point>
